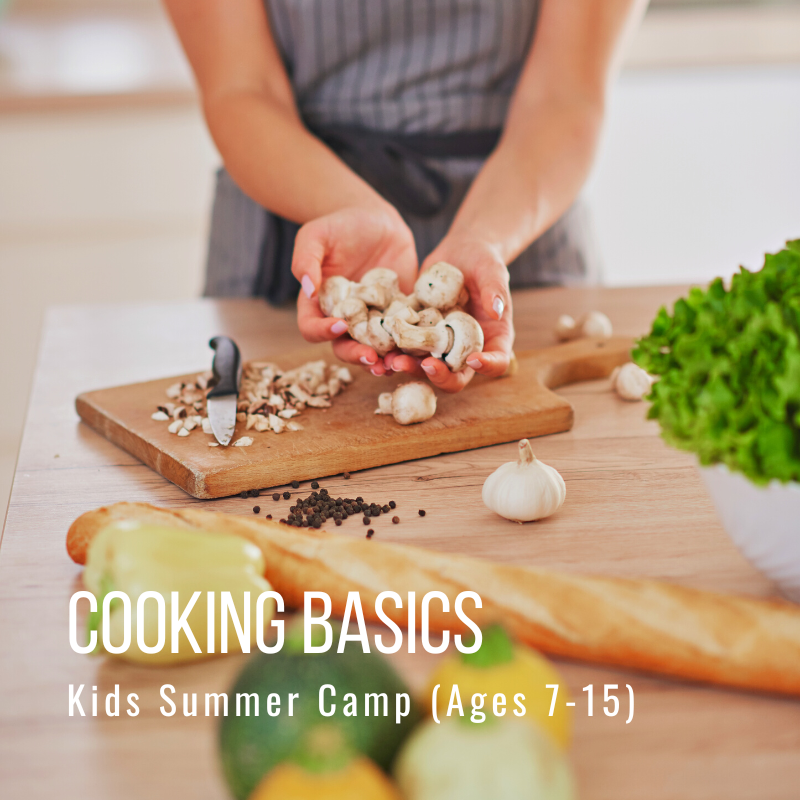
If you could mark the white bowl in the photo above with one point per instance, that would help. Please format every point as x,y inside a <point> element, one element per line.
<point>763,521</point>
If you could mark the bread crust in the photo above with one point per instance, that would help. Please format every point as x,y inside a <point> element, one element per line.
<point>641,624</point>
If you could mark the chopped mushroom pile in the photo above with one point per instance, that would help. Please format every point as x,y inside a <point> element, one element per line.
<point>269,398</point>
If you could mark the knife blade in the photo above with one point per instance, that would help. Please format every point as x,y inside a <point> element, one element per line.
<point>222,399</point>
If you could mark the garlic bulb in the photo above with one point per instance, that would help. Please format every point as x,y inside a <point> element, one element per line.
<point>631,382</point>
<point>526,489</point>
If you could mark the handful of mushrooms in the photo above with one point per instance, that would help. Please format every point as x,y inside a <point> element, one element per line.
<point>428,322</point>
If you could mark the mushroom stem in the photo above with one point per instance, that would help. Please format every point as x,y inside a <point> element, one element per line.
<point>436,340</point>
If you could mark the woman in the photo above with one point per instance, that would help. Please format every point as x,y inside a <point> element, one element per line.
<point>389,133</point>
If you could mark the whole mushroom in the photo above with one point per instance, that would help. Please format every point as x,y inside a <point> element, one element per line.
<point>409,403</point>
<point>631,382</point>
<point>441,286</point>
<point>595,324</point>
<point>453,338</point>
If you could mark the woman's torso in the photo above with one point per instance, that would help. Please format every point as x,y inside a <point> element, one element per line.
<point>404,66</point>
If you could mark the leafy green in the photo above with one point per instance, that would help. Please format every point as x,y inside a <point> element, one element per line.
<point>729,367</point>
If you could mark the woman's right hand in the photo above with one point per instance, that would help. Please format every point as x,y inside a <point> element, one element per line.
<point>349,242</point>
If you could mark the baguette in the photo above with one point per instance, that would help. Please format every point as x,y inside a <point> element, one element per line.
<point>641,624</point>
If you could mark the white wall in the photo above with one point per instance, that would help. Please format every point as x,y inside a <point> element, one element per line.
<point>698,173</point>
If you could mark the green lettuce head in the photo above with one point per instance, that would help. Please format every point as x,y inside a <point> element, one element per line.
<point>729,369</point>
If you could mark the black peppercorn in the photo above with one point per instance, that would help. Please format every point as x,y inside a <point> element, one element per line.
<point>346,476</point>
<point>370,533</point>
<point>385,509</point>
<point>269,516</point>
<point>365,520</point>
<point>392,504</point>
<point>359,499</point>
<point>422,512</point>
<point>244,494</point>
<point>295,484</point>
<point>256,509</point>
<point>395,520</point>
<point>314,484</point>
<point>276,496</point>
<point>255,493</point>
<point>338,521</point>
<point>287,495</point>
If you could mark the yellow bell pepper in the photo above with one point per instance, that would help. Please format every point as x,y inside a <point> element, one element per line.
<point>503,667</point>
<point>134,558</point>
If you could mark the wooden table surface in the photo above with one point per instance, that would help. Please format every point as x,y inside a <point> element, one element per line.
<point>634,508</point>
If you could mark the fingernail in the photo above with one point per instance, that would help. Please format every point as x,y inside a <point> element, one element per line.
<point>339,327</point>
<point>377,372</point>
<point>429,370</point>
<point>498,307</point>
<point>365,360</point>
<point>474,363</point>
<point>393,367</point>
<point>308,286</point>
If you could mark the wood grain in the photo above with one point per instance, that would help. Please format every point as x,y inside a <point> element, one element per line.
<point>634,508</point>
<point>349,436</point>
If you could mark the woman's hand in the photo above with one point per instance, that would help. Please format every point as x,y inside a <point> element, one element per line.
<point>486,280</point>
<point>349,242</point>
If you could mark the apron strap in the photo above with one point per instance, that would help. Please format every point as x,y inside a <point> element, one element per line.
<point>395,165</point>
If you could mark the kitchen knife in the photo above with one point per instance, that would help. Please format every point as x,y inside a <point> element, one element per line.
<point>221,400</point>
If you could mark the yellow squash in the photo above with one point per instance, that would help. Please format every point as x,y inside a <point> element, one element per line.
<point>503,667</point>
<point>359,778</point>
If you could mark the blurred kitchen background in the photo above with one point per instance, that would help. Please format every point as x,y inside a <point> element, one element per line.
<point>106,169</point>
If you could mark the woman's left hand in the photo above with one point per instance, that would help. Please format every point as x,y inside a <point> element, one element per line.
<point>486,280</point>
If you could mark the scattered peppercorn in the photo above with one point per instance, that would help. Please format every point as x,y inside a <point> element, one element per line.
<point>392,504</point>
<point>385,509</point>
<point>314,484</point>
<point>395,520</point>
<point>422,512</point>
<point>276,496</point>
<point>244,494</point>
<point>287,495</point>
<point>338,522</point>
<point>346,476</point>
<point>254,493</point>
<point>295,484</point>
<point>365,520</point>
<point>370,533</point>
<point>256,509</point>
<point>269,516</point>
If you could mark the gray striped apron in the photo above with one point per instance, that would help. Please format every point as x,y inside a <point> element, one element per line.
<point>411,94</point>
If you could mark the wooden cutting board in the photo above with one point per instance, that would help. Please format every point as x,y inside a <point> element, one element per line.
<point>349,436</point>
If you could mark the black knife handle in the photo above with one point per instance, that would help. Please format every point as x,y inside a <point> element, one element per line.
<point>227,366</point>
